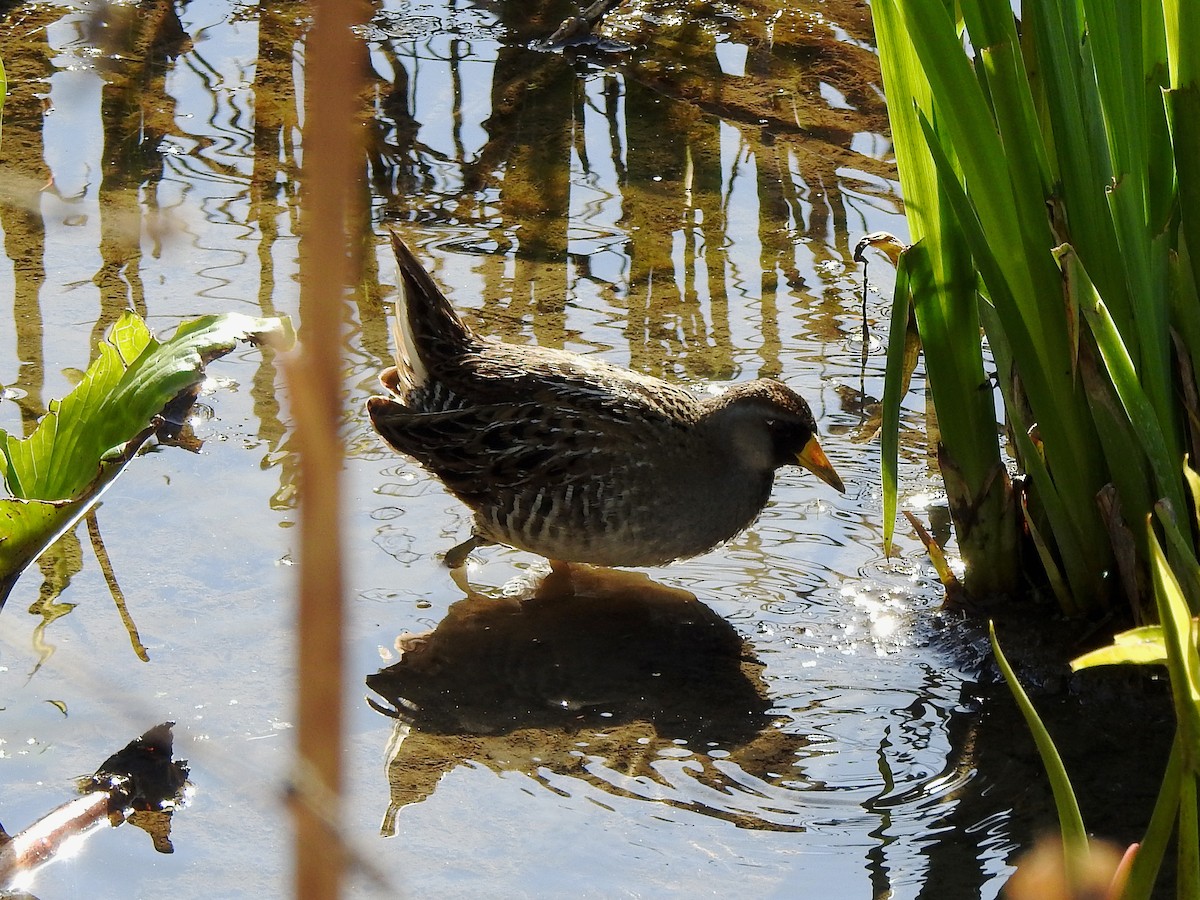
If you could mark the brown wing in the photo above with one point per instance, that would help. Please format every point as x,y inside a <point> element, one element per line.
<point>481,452</point>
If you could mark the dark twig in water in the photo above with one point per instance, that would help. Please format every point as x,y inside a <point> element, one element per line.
<point>581,28</point>
<point>866,334</point>
<point>142,779</point>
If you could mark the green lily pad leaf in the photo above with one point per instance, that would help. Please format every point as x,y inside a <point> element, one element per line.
<point>88,437</point>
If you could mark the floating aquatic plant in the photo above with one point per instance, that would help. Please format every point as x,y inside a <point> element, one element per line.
<point>57,473</point>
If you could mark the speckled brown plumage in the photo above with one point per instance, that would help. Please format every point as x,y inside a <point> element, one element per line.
<point>575,459</point>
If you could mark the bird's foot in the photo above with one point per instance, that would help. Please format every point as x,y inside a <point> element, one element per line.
<point>558,581</point>
<point>459,576</point>
<point>456,556</point>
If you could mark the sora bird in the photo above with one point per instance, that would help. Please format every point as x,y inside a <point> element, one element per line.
<point>574,459</point>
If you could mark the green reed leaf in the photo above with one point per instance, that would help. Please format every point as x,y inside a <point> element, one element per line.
<point>1074,835</point>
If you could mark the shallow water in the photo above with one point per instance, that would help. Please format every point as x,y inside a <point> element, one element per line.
<point>687,208</point>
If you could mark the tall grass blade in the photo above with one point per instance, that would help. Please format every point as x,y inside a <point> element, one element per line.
<point>1058,584</point>
<point>1183,659</point>
<point>1148,861</point>
<point>1074,835</point>
<point>1187,872</point>
<point>1183,663</point>
<point>1183,108</point>
<point>1124,375</point>
<point>892,398</point>
<point>1183,555</point>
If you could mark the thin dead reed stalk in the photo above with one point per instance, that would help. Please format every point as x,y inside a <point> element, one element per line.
<point>332,162</point>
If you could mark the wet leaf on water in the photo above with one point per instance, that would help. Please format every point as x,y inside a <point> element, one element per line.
<point>954,593</point>
<point>60,705</point>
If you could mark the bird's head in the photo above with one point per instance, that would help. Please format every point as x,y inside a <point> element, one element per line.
<point>772,426</point>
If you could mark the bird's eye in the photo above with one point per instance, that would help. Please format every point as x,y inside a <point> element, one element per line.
<point>771,423</point>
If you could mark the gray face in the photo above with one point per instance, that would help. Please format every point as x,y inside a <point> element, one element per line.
<point>768,423</point>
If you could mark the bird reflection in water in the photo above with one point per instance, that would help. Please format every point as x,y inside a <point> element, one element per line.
<point>594,673</point>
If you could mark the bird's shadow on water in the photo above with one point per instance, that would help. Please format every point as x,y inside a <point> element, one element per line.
<point>602,680</point>
<point>596,674</point>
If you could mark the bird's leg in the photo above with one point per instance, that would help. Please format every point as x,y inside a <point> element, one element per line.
<point>459,577</point>
<point>558,581</point>
<point>456,556</point>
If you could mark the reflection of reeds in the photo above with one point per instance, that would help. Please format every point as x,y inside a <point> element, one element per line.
<point>22,161</point>
<point>668,125</point>
<point>110,578</point>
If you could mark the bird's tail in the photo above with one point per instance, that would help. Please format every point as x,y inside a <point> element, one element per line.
<point>427,330</point>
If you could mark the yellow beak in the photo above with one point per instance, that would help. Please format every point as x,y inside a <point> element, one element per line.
<point>813,458</point>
